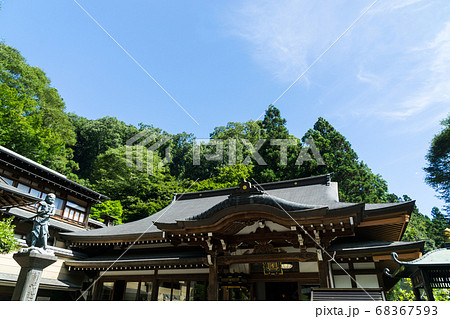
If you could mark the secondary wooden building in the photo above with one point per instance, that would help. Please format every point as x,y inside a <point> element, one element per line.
<point>23,183</point>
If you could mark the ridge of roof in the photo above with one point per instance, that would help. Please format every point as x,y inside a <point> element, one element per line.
<point>324,179</point>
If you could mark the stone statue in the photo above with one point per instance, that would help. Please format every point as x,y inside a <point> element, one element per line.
<point>36,257</point>
<point>40,234</point>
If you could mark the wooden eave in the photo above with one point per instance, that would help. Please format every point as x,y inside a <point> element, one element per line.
<point>134,263</point>
<point>233,214</point>
<point>259,258</point>
<point>146,238</point>
<point>389,226</point>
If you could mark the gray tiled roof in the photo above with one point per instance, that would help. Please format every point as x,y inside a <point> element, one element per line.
<point>316,191</point>
<point>378,206</point>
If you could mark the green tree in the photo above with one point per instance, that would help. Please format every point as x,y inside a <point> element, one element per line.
<point>402,291</point>
<point>225,177</point>
<point>419,228</point>
<point>111,207</point>
<point>32,118</point>
<point>181,165</point>
<point>233,136</point>
<point>8,242</point>
<point>279,166</point>
<point>268,137</point>
<point>140,193</point>
<point>357,182</point>
<point>95,137</point>
<point>438,166</point>
<point>438,224</point>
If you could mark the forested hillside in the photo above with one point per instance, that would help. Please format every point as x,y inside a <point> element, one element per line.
<point>34,123</point>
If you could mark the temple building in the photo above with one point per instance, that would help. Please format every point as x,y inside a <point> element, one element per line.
<point>288,240</point>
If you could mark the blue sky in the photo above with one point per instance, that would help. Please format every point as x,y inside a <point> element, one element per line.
<point>385,84</point>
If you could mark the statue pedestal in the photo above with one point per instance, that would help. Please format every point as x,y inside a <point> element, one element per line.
<point>33,262</point>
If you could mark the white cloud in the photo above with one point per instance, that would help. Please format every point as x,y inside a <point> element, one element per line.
<point>285,36</point>
<point>394,64</point>
<point>394,5</point>
<point>370,78</point>
<point>432,75</point>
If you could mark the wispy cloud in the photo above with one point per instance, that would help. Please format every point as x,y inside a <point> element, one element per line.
<point>369,78</point>
<point>285,36</point>
<point>432,74</point>
<point>401,4</point>
<point>394,65</point>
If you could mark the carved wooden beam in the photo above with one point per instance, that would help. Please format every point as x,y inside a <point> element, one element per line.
<point>258,258</point>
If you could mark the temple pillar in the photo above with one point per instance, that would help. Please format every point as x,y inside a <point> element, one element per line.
<point>323,274</point>
<point>299,289</point>
<point>427,286</point>
<point>213,287</point>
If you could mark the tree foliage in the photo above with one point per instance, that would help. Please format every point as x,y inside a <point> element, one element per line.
<point>8,242</point>
<point>422,228</point>
<point>418,229</point>
<point>402,291</point>
<point>439,224</point>
<point>95,137</point>
<point>438,168</point>
<point>33,123</point>
<point>140,193</point>
<point>112,208</point>
<point>32,118</point>
<point>226,177</point>
<point>357,182</point>
<point>274,130</point>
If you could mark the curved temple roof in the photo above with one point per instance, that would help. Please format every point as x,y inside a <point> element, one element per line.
<point>303,194</point>
<point>261,199</point>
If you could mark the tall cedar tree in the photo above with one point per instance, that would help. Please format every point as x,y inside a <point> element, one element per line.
<point>357,183</point>
<point>274,130</point>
